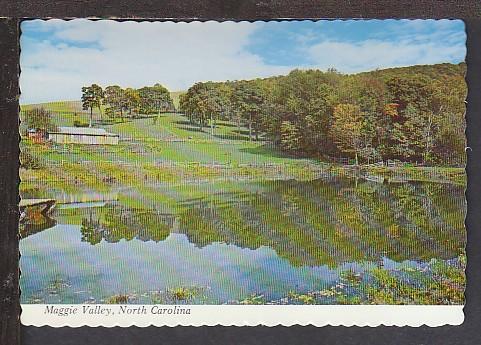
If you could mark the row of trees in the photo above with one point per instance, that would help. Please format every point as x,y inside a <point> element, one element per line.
<point>240,102</point>
<point>411,114</point>
<point>118,101</point>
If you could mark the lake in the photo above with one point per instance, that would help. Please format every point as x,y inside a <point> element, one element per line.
<point>328,240</point>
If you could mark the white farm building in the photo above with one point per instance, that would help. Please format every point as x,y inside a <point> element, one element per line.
<point>83,135</point>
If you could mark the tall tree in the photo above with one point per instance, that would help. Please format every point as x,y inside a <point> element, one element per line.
<point>132,100</point>
<point>217,103</point>
<point>189,104</point>
<point>155,99</point>
<point>447,103</point>
<point>290,137</point>
<point>92,98</point>
<point>116,99</point>
<point>346,129</point>
<point>248,99</point>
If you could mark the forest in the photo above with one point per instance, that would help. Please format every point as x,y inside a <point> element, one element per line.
<point>412,114</point>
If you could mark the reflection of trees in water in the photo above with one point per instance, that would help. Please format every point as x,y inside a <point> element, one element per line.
<point>334,221</point>
<point>91,229</point>
<point>326,221</point>
<point>115,223</point>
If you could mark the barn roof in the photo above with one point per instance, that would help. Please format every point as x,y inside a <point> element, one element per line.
<point>84,131</point>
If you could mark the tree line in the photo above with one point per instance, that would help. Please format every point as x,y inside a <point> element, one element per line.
<point>119,102</point>
<point>413,114</point>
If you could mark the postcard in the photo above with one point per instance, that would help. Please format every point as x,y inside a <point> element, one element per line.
<point>242,173</point>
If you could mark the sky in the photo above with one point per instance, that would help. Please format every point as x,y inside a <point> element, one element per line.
<point>59,57</point>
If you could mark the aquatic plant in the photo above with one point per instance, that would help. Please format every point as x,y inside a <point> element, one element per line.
<point>438,283</point>
<point>178,294</point>
<point>254,299</point>
<point>117,299</point>
<point>56,286</point>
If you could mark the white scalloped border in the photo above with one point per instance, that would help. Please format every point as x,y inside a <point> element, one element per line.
<point>248,315</point>
<point>251,315</point>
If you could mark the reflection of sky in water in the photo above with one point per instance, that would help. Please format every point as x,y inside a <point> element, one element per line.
<point>227,271</point>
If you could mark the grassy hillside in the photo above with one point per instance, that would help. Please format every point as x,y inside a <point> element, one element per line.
<point>172,138</point>
<point>64,113</point>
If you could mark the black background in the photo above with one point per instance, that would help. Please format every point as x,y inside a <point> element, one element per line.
<point>11,333</point>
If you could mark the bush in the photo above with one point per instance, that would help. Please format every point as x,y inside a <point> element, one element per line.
<point>78,123</point>
<point>28,161</point>
<point>117,299</point>
<point>39,118</point>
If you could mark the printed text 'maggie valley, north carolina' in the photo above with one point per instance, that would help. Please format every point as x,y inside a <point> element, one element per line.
<point>104,310</point>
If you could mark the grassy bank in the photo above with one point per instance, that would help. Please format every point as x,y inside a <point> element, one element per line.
<point>420,174</point>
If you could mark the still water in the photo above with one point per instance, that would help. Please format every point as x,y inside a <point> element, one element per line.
<point>221,243</point>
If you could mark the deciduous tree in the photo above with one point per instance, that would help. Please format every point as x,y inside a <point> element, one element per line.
<point>92,98</point>
<point>116,99</point>
<point>346,129</point>
<point>39,119</point>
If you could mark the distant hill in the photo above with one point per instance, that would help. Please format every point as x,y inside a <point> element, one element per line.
<point>432,71</point>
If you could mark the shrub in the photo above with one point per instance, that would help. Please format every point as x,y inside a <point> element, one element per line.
<point>39,118</point>
<point>78,123</point>
<point>28,161</point>
<point>117,299</point>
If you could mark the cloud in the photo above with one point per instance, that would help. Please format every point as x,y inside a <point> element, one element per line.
<point>372,54</point>
<point>407,42</point>
<point>59,57</point>
<point>136,54</point>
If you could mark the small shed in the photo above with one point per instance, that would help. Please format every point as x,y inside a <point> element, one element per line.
<point>83,135</point>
